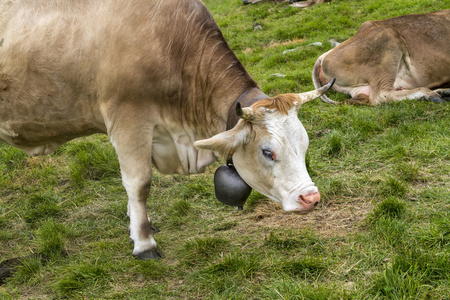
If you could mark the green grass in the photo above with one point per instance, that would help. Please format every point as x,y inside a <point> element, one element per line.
<point>382,230</point>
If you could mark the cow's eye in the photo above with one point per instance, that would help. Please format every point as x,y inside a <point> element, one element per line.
<point>269,154</point>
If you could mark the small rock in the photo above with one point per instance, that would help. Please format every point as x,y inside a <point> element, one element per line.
<point>257,27</point>
<point>289,50</point>
<point>349,286</point>
<point>334,43</point>
<point>277,75</point>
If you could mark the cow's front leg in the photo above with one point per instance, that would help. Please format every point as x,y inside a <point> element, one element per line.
<point>421,93</point>
<point>134,150</point>
<point>140,226</point>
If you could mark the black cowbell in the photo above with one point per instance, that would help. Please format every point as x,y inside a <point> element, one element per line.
<point>229,187</point>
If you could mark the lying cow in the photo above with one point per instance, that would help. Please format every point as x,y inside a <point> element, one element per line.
<point>405,57</point>
<point>161,81</point>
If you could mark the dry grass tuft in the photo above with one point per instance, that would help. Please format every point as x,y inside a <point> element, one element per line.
<point>334,220</point>
<point>273,44</point>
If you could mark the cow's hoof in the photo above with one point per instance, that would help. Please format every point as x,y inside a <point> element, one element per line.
<point>445,94</point>
<point>436,99</point>
<point>246,2</point>
<point>149,255</point>
<point>154,229</point>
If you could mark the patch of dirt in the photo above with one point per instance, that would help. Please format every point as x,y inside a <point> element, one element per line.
<point>331,220</point>
<point>285,43</point>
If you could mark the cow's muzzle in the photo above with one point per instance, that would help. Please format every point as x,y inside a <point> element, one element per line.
<point>302,204</point>
<point>309,202</point>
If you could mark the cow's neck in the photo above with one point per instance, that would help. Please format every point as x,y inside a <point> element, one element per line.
<point>210,74</point>
<point>245,99</point>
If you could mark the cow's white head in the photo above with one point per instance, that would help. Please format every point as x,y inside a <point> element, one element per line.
<point>268,145</point>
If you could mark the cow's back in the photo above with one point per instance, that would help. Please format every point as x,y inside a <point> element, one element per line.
<point>431,23</point>
<point>426,39</point>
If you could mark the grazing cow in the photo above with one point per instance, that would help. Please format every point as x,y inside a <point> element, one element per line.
<point>158,77</point>
<point>405,57</point>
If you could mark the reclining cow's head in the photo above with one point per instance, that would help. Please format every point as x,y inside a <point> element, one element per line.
<point>268,146</point>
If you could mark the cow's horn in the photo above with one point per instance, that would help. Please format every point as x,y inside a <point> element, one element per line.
<point>308,96</point>
<point>245,113</point>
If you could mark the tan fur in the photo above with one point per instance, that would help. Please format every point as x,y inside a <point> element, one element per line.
<point>282,103</point>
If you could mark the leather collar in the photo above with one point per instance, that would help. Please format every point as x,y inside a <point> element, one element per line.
<point>246,99</point>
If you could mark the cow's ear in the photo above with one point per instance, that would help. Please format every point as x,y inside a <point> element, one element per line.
<point>227,141</point>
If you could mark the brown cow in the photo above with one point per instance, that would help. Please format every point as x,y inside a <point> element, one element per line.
<point>405,57</point>
<point>156,76</point>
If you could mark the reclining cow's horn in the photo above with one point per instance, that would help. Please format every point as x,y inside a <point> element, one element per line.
<point>308,96</point>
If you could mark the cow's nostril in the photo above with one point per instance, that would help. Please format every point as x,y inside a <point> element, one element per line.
<point>315,204</point>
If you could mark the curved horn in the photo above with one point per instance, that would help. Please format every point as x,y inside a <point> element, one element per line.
<point>308,96</point>
<point>245,113</point>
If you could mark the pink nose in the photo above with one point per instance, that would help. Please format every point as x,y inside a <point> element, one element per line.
<point>309,201</point>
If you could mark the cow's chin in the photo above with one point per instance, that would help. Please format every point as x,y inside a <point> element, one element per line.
<point>301,204</point>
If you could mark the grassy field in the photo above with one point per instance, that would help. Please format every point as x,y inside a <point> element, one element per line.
<point>382,230</point>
